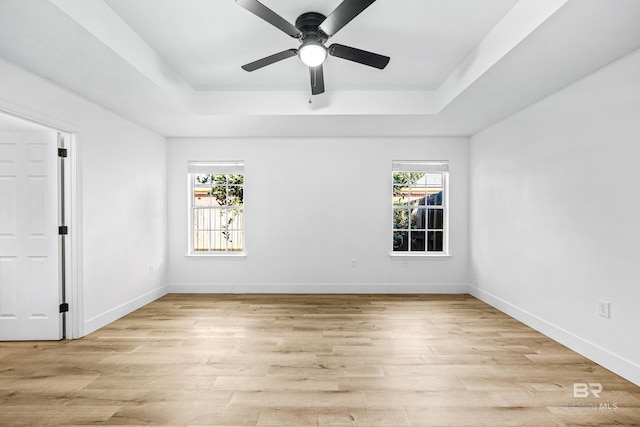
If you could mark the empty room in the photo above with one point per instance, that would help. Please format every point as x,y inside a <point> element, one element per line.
<point>320,212</point>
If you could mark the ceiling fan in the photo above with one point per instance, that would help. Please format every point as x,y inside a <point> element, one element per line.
<point>313,29</point>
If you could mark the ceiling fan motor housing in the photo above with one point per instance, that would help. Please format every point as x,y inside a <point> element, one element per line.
<point>309,24</point>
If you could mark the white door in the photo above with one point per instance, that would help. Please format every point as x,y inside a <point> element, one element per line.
<point>29,261</point>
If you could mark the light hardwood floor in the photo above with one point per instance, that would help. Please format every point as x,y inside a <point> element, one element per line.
<point>306,360</point>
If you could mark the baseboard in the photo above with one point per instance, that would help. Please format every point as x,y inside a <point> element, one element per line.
<point>122,310</point>
<point>619,365</point>
<point>319,288</point>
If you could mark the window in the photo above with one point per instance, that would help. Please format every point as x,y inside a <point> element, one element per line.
<point>216,193</point>
<point>419,206</point>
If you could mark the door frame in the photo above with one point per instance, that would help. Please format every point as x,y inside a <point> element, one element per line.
<point>73,249</point>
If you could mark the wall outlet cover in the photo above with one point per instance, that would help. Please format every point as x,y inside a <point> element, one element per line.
<point>604,309</point>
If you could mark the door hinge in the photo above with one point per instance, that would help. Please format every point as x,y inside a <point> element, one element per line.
<point>63,230</point>
<point>62,152</point>
<point>64,307</point>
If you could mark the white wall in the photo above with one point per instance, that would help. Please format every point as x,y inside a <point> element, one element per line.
<point>122,195</point>
<point>313,205</point>
<point>555,215</point>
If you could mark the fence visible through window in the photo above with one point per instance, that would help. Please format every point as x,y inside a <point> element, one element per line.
<point>217,210</point>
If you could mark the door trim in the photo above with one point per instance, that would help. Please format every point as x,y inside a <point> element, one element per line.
<point>74,288</point>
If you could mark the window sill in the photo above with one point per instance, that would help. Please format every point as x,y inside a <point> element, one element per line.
<point>400,255</point>
<point>236,255</point>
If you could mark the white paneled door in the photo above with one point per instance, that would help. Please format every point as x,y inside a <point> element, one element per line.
<point>29,248</point>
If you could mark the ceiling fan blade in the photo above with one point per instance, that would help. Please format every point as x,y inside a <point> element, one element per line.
<point>317,80</point>
<point>343,14</point>
<point>262,11</point>
<point>357,55</point>
<point>252,66</point>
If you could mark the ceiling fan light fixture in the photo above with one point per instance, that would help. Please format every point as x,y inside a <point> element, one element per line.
<point>312,53</point>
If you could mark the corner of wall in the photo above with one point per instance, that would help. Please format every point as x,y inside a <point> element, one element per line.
<point>103,319</point>
<point>621,366</point>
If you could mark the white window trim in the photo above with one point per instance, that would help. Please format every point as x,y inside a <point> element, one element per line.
<point>195,255</point>
<point>208,167</point>
<point>414,255</point>
<point>425,166</point>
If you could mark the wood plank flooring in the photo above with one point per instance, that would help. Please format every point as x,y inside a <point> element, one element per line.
<point>309,360</point>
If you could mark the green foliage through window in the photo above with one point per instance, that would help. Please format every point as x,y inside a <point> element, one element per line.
<point>418,209</point>
<point>218,204</point>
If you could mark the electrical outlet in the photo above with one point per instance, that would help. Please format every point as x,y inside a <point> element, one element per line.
<point>604,308</point>
<point>151,270</point>
<point>354,263</point>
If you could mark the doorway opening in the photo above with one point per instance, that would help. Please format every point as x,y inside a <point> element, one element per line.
<point>37,231</point>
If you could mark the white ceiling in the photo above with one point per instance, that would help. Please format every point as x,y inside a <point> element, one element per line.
<point>457,66</point>
<point>210,40</point>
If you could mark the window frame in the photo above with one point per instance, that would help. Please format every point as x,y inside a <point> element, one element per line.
<point>422,166</point>
<point>213,168</point>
